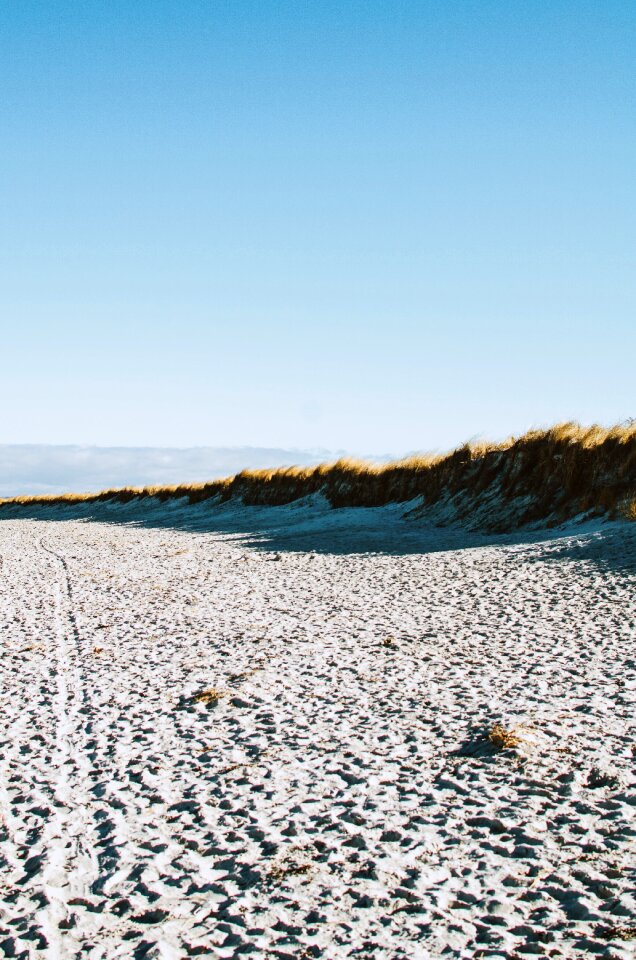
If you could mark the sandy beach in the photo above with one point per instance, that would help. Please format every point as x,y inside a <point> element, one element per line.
<point>231,743</point>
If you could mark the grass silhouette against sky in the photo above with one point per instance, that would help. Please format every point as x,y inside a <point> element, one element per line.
<point>377,226</point>
<point>541,477</point>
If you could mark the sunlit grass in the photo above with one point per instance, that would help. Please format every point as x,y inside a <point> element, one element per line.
<point>549,474</point>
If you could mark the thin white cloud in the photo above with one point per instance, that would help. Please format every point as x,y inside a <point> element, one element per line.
<point>41,469</point>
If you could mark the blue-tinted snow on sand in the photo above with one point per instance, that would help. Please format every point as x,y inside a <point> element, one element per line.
<point>332,791</point>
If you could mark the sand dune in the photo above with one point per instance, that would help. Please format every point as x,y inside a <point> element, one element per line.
<point>257,741</point>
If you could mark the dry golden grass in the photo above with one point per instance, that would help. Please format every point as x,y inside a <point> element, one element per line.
<point>543,476</point>
<point>503,739</point>
<point>630,510</point>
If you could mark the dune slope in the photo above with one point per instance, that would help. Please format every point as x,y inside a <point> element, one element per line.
<point>542,477</point>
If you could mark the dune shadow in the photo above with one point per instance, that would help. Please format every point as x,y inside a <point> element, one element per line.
<point>313,526</point>
<point>612,548</point>
<point>304,526</point>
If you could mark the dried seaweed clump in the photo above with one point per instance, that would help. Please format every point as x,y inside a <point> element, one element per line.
<point>208,697</point>
<point>503,739</point>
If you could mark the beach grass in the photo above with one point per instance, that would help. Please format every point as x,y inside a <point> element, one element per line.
<point>549,475</point>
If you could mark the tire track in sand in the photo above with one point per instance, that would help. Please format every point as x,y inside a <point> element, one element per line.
<point>72,864</point>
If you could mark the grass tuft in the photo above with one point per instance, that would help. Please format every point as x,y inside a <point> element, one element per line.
<point>629,510</point>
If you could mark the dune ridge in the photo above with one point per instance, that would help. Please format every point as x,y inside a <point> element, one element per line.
<point>543,477</point>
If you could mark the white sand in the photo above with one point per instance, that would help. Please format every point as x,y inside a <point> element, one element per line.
<point>339,799</point>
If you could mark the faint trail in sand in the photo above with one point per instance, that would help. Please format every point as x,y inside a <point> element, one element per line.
<point>72,864</point>
<point>7,820</point>
<point>339,797</point>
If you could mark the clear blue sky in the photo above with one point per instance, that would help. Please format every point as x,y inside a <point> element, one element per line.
<point>378,226</point>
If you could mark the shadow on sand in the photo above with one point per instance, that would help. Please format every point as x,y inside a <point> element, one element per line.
<point>612,548</point>
<point>311,525</point>
<point>304,526</point>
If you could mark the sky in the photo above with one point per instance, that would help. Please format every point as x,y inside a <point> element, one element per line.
<point>371,226</point>
<point>42,469</point>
